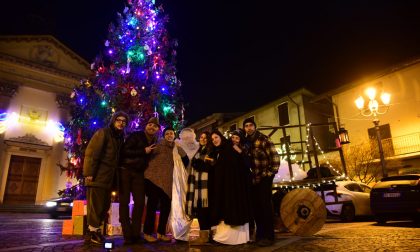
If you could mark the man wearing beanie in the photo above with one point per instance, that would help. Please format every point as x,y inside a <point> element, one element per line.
<point>99,170</point>
<point>265,162</point>
<point>135,155</point>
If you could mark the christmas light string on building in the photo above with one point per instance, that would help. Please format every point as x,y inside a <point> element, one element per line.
<point>284,183</point>
<point>320,150</point>
<point>12,120</point>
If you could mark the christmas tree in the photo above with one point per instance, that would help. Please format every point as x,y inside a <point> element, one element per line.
<point>135,73</point>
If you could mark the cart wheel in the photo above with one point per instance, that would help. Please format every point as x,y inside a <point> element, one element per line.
<point>303,212</point>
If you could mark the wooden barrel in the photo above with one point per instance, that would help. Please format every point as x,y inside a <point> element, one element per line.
<point>303,212</point>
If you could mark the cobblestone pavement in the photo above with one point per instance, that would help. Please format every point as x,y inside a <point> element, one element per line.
<point>359,236</point>
<point>35,232</point>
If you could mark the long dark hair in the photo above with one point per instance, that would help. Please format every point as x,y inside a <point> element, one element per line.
<point>208,137</point>
<point>224,140</point>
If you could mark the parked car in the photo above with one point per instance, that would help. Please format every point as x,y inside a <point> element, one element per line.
<point>396,197</point>
<point>60,207</point>
<point>353,198</point>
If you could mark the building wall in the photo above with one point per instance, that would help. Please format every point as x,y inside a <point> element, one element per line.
<point>301,112</point>
<point>403,114</point>
<point>37,76</point>
<point>29,100</point>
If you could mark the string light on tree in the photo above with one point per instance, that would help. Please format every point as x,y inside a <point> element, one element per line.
<point>138,56</point>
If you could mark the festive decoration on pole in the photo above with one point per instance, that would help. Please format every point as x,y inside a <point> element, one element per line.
<point>136,73</point>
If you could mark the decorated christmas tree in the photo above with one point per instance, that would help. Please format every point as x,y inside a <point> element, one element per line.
<point>135,73</point>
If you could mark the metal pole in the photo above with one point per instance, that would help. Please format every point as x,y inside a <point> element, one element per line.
<point>381,151</point>
<point>340,151</point>
<point>314,149</point>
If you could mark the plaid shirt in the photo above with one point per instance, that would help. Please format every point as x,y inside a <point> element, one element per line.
<point>265,159</point>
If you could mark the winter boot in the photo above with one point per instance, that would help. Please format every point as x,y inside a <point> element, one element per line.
<point>203,239</point>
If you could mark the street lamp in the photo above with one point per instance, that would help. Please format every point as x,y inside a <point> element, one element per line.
<point>374,109</point>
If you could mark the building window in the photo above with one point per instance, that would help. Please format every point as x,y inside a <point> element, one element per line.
<point>232,127</point>
<point>386,139</point>
<point>283,110</point>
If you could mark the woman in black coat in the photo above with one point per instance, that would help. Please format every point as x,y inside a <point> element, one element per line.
<point>229,195</point>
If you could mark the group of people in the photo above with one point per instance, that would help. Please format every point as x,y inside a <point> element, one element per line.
<point>224,183</point>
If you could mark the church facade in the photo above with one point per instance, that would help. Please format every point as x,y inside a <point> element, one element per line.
<point>37,75</point>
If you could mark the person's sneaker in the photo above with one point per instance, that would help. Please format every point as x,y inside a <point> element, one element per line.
<point>265,242</point>
<point>149,238</point>
<point>164,238</point>
<point>97,237</point>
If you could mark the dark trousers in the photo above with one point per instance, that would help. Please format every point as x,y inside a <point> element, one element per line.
<point>263,208</point>
<point>203,216</point>
<point>131,182</point>
<point>156,195</point>
<point>98,203</point>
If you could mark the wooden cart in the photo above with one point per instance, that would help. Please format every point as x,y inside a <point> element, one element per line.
<point>300,205</point>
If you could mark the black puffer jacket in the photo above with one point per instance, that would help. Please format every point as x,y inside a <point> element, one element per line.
<point>133,153</point>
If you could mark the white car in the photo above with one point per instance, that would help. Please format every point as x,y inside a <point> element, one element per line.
<point>356,198</point>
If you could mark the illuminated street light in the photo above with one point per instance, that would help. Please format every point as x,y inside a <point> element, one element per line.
<point>374,109</point>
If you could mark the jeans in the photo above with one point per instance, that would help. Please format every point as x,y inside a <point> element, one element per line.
<point>263,208</point>
<point>131,182</point>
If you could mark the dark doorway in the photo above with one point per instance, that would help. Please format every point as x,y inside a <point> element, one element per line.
<point>22,180</point>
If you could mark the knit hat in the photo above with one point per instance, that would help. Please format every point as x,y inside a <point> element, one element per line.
<point>154,120</point>
<point>249,120</point>
<point>118,114</point>
<point>239,132</point>
<point>166,129</point>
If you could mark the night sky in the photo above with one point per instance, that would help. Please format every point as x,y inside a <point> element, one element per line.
<point>234,56</point>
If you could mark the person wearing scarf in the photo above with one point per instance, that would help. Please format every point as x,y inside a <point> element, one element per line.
<point>197,202</point>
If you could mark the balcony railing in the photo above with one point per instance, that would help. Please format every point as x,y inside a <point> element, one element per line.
<point>401,145</point>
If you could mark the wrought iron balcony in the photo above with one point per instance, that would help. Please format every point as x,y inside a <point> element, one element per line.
<point>402,145</point>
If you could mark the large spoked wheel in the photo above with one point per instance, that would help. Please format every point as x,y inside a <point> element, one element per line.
<point>303,212</point>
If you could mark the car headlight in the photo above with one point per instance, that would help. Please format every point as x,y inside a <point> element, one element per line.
<point>51,204</point>
<point>71,204</point>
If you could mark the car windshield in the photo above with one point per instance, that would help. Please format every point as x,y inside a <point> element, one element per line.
<point>402,177</point>
<point>365,188</point>
<point>354,187</point>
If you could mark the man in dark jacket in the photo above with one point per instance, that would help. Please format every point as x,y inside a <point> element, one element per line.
<point>134,159</point>
<point>99,169</point>
<point>265,164</point>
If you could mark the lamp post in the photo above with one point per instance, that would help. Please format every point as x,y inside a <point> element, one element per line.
<point>374,109</point>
